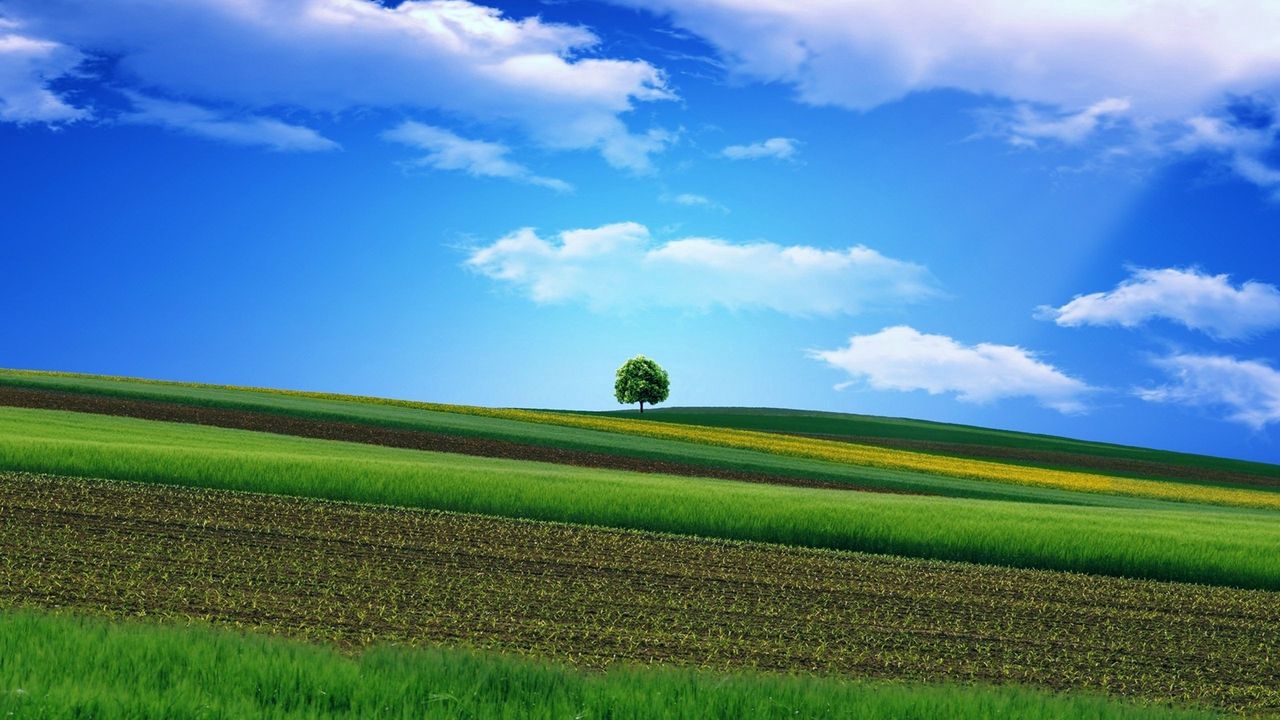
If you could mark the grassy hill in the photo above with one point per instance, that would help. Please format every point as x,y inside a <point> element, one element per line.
<point>727,538</point>
<point>715,447</point>
<point>963,440</point>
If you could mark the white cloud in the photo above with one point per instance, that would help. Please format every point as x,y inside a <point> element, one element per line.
<point>1028,126</point>
<point>780,148</point>
<point>447,151</point>
<point>250,130</point>
<point>1208,303</point>
<point>1067,68</point>
<point>336,55</point>
<point>693,200</point>
<point>904,359</point>
<point>1257,171</point>
<point>1168,57</point>
<point>1243,145</point>
<point>621,267</point>
<point>27,64</point>
<point>1248,390</point>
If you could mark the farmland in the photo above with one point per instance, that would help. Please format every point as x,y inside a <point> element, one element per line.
<point>354,575</point>
<point>1176,542</point>
<point>967,441</point>
<point>648,558</point>
<point>746,451</point>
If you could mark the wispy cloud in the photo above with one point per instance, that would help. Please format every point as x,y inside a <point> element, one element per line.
<point>1247,390</point>
<point>620,267</point>
<point>1244,133</point>
<point>251,130</point>
<point>779,148</point>
<point>1208,303</point>
<point>27,65</point>
<point>903,359</point>
<point>448,151</point>
<point>1028,126</point>
<point>693,200</point>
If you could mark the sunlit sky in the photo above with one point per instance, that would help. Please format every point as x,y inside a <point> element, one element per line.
<point>1044,216</point>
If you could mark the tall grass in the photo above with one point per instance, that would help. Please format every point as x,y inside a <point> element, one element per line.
<point>1231,547</point>
<point>71,667</point>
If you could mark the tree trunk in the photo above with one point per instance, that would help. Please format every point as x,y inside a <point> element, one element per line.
<point>641,407</point>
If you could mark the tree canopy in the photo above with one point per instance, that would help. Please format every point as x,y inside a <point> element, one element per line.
<point>641,380</point>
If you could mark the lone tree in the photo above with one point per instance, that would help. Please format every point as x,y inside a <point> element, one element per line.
<point>641,380</point>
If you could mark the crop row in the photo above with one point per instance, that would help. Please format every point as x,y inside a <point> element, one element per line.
<point>1226,546</point>
<point>855,454</point>
<point>355,575</point>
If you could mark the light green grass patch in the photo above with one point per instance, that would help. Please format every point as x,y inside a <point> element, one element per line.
<point>62,667</point>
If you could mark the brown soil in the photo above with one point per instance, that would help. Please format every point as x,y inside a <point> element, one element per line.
<point>390,437</point>
<point>353,575</point>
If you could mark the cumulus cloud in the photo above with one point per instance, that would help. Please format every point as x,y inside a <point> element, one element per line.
<point>1067,69</point>
<point>1167,57</point>
<point>27,65</point>
<point>621,267</point>
<point>1208,303</point>
<point>1248,390</point>
<point>251,130</point>
<point>335,55</point>
<point>780,148</point>
<point>904,359</point>
<point>447,151</point>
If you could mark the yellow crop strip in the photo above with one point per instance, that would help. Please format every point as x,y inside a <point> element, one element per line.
<point>812,448</point>
<point>893,459</point>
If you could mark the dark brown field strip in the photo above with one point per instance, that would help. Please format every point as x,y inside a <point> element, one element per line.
<point>389,437</point>
<point>352,575</point>
<point>1060,459</point>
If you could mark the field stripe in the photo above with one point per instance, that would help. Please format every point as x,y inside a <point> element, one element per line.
<point>281,424</point>
<point>895,459</point>
<point>1227,546</point>
<point>748,452</point>
<point>846,453</point>
<point>355,575</point>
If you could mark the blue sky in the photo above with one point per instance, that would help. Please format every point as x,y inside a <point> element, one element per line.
<point>1013,214</point>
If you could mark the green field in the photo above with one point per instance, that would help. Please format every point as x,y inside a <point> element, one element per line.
<point>1198,544</point>
<point>392,414</point>
<point>869,427</point>
<point>352,575</point>
<point>195,503</point>
<point>63,667</point>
